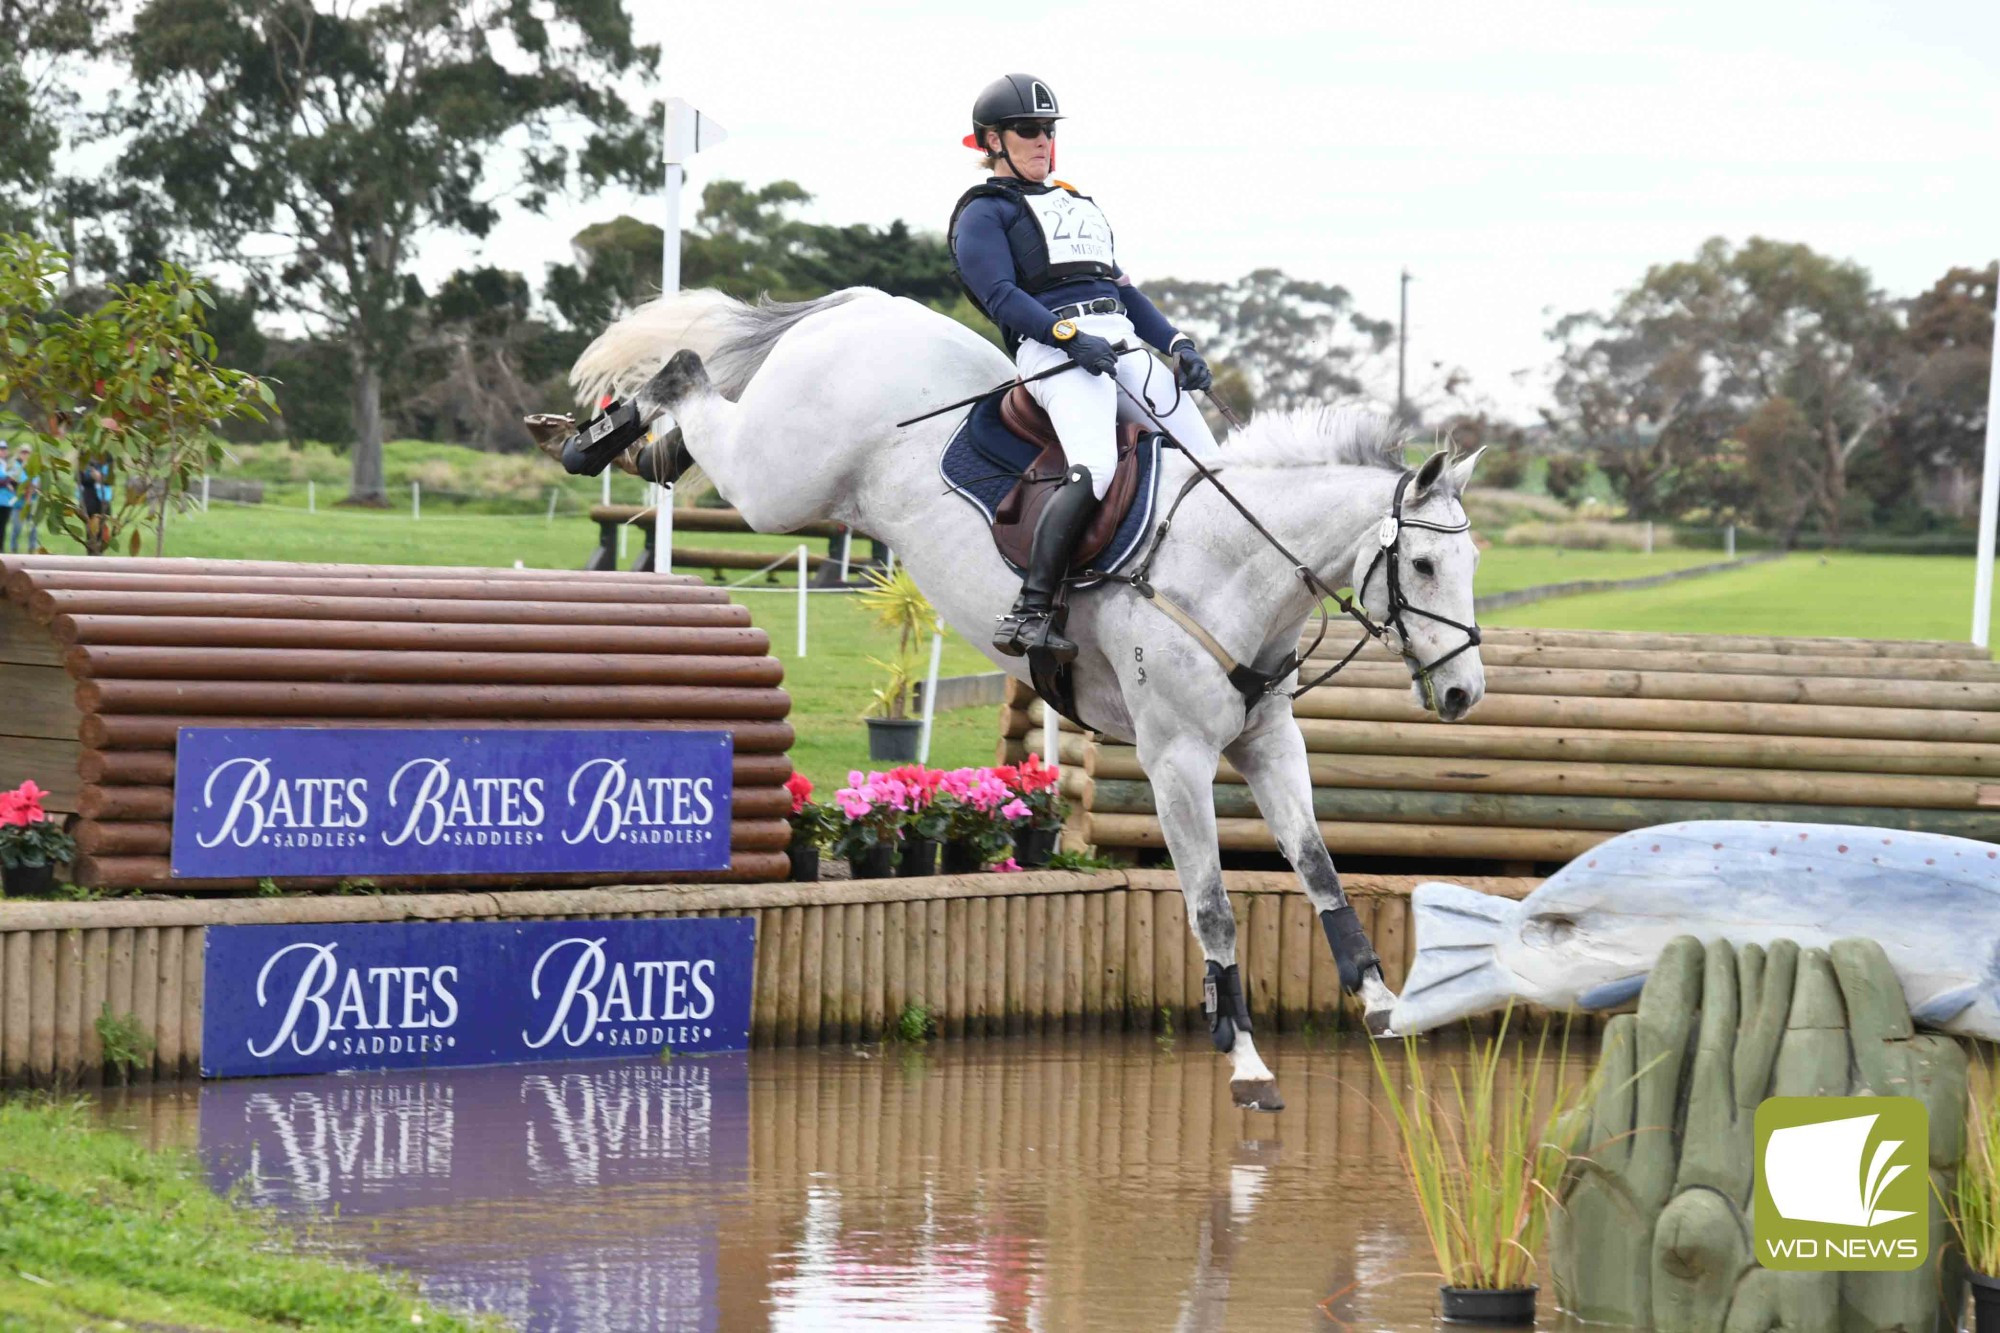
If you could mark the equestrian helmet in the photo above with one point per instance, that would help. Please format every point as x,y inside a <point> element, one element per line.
<point>1011,97</point>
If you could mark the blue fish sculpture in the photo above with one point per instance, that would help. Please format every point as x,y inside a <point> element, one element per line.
<point>1588,936</point>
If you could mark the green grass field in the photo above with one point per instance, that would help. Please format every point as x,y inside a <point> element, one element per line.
<point>98,1232</point>
<point>1861,596</point>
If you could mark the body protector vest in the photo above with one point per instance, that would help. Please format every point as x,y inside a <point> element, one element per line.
<point>1058,236</point>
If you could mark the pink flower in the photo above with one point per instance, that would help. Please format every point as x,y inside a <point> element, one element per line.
<point>30,793</point>
<point>1015,809</point>
<point>801,788</point>
<point>1007,867</point>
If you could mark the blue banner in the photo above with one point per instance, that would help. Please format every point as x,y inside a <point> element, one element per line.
<point>341,802</point>
<point>399,995</point>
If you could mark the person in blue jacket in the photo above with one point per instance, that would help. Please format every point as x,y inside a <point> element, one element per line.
<point>1036,256</point>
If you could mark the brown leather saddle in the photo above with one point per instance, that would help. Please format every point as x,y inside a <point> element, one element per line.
<point>1014,518</point>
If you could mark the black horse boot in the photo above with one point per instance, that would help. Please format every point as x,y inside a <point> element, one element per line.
<point>1057,531</point>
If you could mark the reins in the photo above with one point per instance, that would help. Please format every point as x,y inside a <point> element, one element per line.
<point>1250,682</point>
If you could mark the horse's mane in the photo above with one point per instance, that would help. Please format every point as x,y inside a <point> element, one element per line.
<point>1347,433</point>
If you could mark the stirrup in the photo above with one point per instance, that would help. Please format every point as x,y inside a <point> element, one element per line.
<point>1024,632</point>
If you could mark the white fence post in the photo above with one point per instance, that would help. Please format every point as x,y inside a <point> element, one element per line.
<point>846,546</point>
<point>416,501</point>
<point>1729,542</point>
<point>204,492</point>
<point>1649,536</point>
<point>802,600</point>
<point>663,528</point>
<point>312,501</point>
<point>554,491</point>
<point>930,700</point>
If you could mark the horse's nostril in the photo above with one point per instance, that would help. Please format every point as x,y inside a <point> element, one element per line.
<point>1456,701</point>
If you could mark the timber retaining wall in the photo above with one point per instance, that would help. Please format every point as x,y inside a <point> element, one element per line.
<point>1031,953</point>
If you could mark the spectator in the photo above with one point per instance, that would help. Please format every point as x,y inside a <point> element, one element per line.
<point>93,493</point>
<point>25,535</point>
<point>10,495</point>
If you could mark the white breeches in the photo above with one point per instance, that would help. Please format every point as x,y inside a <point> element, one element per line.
<point>1084,408</point>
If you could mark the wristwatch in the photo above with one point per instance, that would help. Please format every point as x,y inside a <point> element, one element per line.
<point>1063,331</point>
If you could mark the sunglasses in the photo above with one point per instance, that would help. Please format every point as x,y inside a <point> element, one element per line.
<point>1031,129</point>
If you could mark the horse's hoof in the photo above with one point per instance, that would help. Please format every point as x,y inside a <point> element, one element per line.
<point>1256,1094</point>
<point>1378,1023</point>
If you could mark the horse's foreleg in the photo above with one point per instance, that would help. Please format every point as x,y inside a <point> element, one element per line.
<point>1271,756</point>
<point>1182,771</point>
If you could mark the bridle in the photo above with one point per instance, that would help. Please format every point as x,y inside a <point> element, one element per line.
<point>1253,684</point>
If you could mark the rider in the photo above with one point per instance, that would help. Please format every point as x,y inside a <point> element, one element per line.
<point>1036,258</point>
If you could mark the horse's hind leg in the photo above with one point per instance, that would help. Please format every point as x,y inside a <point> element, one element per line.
<point>1182,771</point>
<point>1271,756</point>
<point>706,424</point>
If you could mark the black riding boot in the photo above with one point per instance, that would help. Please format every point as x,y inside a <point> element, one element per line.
<point>1057,531</point>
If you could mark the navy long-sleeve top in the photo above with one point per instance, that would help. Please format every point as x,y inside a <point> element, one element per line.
<point>988,267</point>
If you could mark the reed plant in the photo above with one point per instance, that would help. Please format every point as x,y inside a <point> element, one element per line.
<point>1483,1151</point>
<point>1974,1204</point>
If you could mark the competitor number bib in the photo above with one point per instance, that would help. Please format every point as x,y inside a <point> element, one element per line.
<point>1074,229</point>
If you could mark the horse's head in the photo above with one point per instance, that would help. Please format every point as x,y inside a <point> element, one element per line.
<point>1413,576</point>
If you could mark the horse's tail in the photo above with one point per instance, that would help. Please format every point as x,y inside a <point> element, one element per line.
<point>731,337</point>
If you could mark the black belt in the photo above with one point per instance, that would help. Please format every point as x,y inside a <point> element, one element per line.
<point>1103,305</point>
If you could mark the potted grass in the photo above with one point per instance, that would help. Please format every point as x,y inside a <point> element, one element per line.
<point>872,828</point>
<point>813,827</point>
<point>31,844</point>
<point>1975,1203</point>
<point>1483,1161</point>
<point>899,607</point>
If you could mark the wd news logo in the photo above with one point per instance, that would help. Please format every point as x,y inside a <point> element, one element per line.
<point>1842,1184</point>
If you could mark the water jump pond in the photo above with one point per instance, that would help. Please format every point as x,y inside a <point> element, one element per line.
<point>1055,1183</point>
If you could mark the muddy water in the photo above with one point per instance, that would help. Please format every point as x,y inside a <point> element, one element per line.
<point>1089,1182</point>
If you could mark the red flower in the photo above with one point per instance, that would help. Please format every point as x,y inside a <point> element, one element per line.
<point>801,788</point>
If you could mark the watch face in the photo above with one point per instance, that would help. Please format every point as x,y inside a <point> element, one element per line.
<point>1064,330</point>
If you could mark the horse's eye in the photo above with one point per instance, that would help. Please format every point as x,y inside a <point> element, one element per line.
<point>1424,567</point>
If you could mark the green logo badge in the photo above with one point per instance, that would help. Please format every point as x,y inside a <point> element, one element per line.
<point>1843,1184</point>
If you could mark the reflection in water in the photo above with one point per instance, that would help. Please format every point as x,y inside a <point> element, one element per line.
<point>1054,1184</point>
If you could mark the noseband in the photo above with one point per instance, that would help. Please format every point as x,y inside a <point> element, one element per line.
<point>1390,537</point>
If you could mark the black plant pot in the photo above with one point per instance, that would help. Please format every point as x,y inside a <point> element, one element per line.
<point>894,739</point>
<point>29,881</point>
<point>962,858</point>
<point>805,863</point>
<point>878,862</point>
<point>1481,1305</point>
<point>919,856</point>
<point>1034,846</point>
<point>1985,1302</point>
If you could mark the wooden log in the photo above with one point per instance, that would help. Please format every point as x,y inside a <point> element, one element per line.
<point>1367,805</point>
<point>1903,724</point>
<point>140,731</point>
<point>215,665</point>
<point>1684,782</point>
<point>189,570</point>
<point>316,698</point>
<point>1664,683</point>
<point>1364,839</point>
<point>1805,646</point>
<point>155,768</point>
<point>209,632</point>
<point>689,518</point>
<point>23,584</point>
<point>715,557</point>
<point>1734,663</point>
<point>1719,749</point>
<point>45,605</point>
<point>747,865</point>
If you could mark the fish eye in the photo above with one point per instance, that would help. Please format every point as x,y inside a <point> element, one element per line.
<point>1424,566</point>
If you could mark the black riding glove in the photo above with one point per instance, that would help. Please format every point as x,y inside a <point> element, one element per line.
<point>1093,353</point>
<point>1190,370</point>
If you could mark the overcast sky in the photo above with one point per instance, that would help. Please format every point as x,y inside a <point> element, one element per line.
<point>1522,159</point>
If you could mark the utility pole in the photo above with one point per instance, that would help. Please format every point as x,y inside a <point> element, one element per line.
<point>1402,346</point>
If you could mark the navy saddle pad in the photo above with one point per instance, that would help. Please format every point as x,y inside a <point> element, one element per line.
<point>983,459</point>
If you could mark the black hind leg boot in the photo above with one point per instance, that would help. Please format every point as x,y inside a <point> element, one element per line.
<point>1222,999</point>
<point>1057,532</point>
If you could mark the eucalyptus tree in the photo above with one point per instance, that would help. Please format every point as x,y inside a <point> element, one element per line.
<point>317,143</point>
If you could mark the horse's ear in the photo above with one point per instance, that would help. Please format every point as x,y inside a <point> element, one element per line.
<point>1428,476</point>
<point>1461,471</point>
